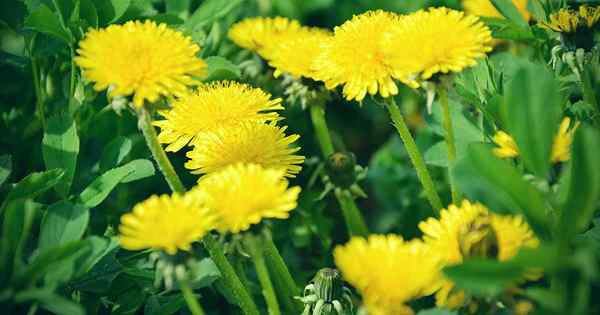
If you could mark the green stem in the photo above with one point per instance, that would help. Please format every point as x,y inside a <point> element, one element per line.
<point>414,154</point>
<point>317,114</point>
<point>447,122</point>
<point>39,94</point>
<point>190,299</point>
<point>256,252</point>
<point>355,222</point>
<point>72,80</point>
<point>285,283</point>
<point>352,216</point>
<point>589,95</point>
<point>165,166</point>
<point>231,280</point>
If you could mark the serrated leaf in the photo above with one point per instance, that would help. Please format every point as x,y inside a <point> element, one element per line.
<point>220,68</point>
<point>64,222</point>
<point>46,21</point>
<point>33,185</point>
<point>60,147</point>
<point>5,168</point>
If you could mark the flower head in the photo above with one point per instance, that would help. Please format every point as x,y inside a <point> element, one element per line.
<point>213,106</point>
<point>487,9</point>
<point>140,58</point>
<point>387,271</point>
<point>438,40</point>
<point>262,34</point>
<point>589,15</point>
<point>561,146</point>
<point>354,57</point>
<point>249,142</point>
<point>245,194</point>
<point>295,53</point>
<point>563,21</point>
<point>165,222</point>
<point>471,230</point>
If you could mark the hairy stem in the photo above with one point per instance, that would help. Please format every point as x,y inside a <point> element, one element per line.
<point>450,143</point>
<point>414,154</point>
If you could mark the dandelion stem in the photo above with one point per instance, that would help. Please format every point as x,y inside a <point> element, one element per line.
<point>190,299</point>
<point>230,279</point>
<point>355,222</point>
<point>414,154</point>
<point>257,253</point>
<point>165,166</point>
<point>451,147</point>
<point>286,286</point>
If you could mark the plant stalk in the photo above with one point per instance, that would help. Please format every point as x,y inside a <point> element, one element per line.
<point>450,143</point>
<point>257,253</point>
<point>317,114</point>
<point>190,299</point>
<point>414,154</point>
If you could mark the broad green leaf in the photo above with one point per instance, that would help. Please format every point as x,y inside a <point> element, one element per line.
<point>45,21</point>
<point>5,168</point>
<point>510,12</point>
<point>220,68</point>
<point>111,10</point>
<point>33,185</point>
<point>484,277</point>
<point>532,102</point>
<point>50,301</point>
<point>101,187</point>
<point>209,11</point>
<point>584,184</point>
<point>484,177</point>
<point>64,222</point>
<point>16,224</point>
<point>114,153</point>
<point>60,148</point>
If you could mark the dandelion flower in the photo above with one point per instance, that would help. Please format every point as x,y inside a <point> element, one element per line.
<point>245,194</point>
<point>487,9</point>
<point>589,15</point>
<point>471,230</point>
<point>354,57</point>
<point>262,34</point>
<point>438,40</point>
<point>140,58</point>
<point>213,106</point>
<point>561,146</point>
<point>165,222</point>
<point>563,21</point>
<point>250,142</point>
<point>296,53</point>
<point>387,271</point>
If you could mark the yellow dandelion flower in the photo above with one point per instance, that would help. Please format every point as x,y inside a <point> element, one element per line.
<point>438,40</point>
<point>387,271</point>
<point>165,222</point>
<point>140,58</point>
<point>213,106</point>
<point>296,53</point>
<point>563,21</point>
<point>471,230</point>
<point>561,146</point>
<point>589,15</point>
<point>245,194</point>
<point>250,142</point>
<point>262,34</point>
<point>487,9</point>
<point>354,57</point>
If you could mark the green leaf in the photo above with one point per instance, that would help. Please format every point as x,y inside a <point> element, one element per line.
<point>100,277</point>
<point>111,10</point>
<point>50,301</point>
<point>88,12</point>
<point>220,68</point>
<point>33,185</point>
<point>484,277</point>
<point>210,11</point>
<point>114,153</point>
<point>437,311</point>
<point>203,273</point>
<point>60,147</point>
<point>64,222</point>
<point>101,187</point>
<point>15,232</point>
<point>505,29</point>
<point>169,19</point>
<point>170,305</point>
<point>509,11</point>
<point>178,7</point>
<point>48,22</point>
<point>484,177</point>
<point>5,168</point>
<point>533,107</point>
<point>584,184</point>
